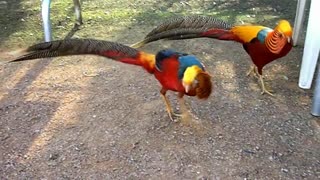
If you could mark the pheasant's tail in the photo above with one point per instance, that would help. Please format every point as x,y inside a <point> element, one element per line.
<point>78,47</point>
<point>112,50</point>
<point>139,44</point>
<point>220,34</point>
<point>185,27</point>
<point>185,36</point>
<point>173,34</point>
<point>190,22</point>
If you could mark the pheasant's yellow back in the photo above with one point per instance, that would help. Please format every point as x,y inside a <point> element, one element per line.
<point>246,32</point>
<point>147,61</point>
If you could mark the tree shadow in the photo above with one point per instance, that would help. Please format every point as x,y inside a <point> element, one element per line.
<point>12,14</point>
<point>22,120</point>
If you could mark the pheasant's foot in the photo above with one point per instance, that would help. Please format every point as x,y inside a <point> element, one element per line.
<point>173,116</point>
<point>263,87</point>
<point>267,92</point>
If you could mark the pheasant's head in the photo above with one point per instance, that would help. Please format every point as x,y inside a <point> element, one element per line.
<point>284,27</point>
<point>198,82</point>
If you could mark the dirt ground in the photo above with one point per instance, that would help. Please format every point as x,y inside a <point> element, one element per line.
<point>87,117</point>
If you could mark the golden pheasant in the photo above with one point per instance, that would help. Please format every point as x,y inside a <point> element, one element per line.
<point>263,44</point>
<point>175,71</point>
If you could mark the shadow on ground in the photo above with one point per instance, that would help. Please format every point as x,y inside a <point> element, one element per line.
<point>113,124</point>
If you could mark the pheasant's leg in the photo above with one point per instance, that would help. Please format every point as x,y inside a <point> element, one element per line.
<point>256,72</point>
<point>264,90</point>
<point>253,70</point>
<point>168,106</point>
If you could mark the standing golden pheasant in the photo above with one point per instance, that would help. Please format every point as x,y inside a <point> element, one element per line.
<point>263,44</point>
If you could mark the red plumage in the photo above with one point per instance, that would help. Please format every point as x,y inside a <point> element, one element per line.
<point>166,78</point>
<point>260,54</point>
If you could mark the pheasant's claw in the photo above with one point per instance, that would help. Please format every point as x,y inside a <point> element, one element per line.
<point>176,114</point>
<point>174,117</point>
<point>267,92</point>
<point>263,87</point>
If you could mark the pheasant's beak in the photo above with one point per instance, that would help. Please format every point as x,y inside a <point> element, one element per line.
<point>187,87</point>
<point>289,39</point>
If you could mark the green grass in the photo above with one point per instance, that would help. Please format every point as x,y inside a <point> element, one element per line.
<point>22,23</point>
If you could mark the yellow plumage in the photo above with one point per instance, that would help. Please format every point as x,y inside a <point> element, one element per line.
<point>147,60</point>
<point>284,27</point>
<point>190,74</point>
<point>246,32</point>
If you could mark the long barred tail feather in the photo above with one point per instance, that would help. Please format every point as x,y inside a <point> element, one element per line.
<point>185,27</point>
<point>190,22</point>
<point>77,47</point>
<point>183,33</point>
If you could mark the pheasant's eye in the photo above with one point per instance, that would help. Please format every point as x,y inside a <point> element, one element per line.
<point>281,35</point>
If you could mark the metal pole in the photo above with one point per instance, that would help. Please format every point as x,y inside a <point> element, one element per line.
<point>298,20</point>
<point>45,7</point>
<point>311,47</point>
<point>316,96</point>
